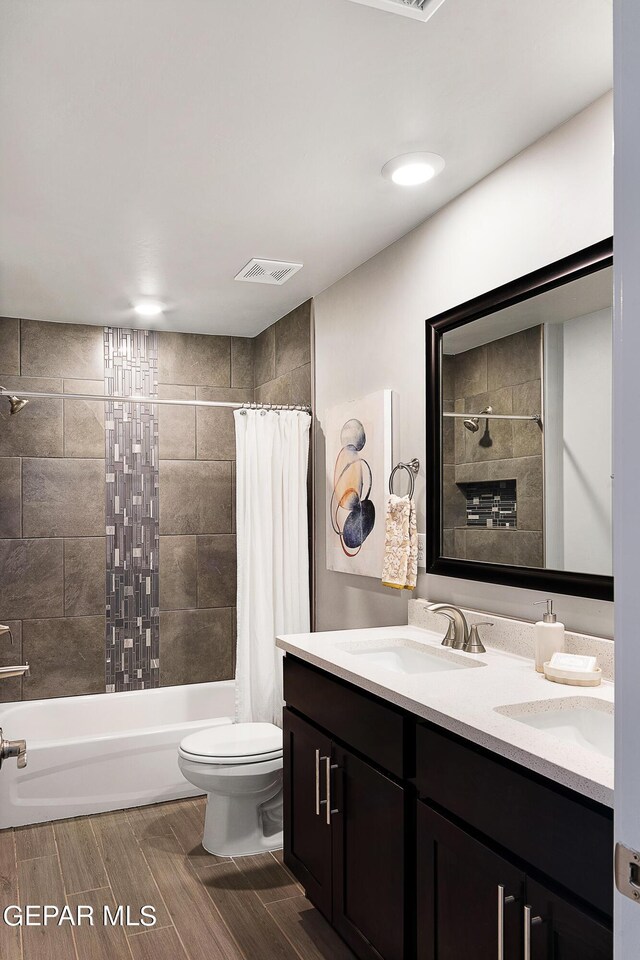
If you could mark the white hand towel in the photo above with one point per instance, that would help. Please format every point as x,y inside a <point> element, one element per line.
<point>400,566</point>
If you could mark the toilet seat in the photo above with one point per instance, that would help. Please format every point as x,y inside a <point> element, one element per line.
<point>236,743</point>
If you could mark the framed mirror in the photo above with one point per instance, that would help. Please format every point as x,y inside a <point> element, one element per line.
<point>519,431</point>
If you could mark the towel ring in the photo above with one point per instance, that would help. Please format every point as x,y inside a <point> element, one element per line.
<point>412,468</point>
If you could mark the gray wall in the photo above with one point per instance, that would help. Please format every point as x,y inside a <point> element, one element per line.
<point>506,375</point>
<point>551,200</point>
<point>52,497</point>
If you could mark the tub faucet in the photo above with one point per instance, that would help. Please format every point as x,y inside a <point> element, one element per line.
<point>460,639</point>
<point>13,748</point>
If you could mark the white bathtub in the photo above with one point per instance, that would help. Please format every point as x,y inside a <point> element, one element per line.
<point>103,752</point>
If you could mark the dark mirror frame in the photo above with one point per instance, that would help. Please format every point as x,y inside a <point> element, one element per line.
<point>580,264</point>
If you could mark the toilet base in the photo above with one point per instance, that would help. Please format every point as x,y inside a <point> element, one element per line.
<point>236,827</point>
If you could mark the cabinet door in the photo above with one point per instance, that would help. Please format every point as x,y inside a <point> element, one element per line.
<point>307,833</point>
<point>368,837</point>
<point>469,900</point>
<point>556,930</point>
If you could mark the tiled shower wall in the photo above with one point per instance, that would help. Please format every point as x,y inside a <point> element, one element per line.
<point>506,375</point>
<point>52,497</point>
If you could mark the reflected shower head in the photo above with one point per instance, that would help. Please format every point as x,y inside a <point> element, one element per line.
<point>473,423</point>
<point>15,403</point>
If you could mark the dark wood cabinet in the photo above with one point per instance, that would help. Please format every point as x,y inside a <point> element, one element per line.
<point>368,858</point>
<point>344,839</point>
<point>307,835</point>
<point>561,931</point>
<point>417,845</point>
<point>469,899</point>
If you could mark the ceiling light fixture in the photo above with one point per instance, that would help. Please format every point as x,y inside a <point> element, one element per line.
<point>412,169</point>
<point>149,308</point>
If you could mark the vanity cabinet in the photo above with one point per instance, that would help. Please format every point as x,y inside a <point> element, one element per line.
<point>345,816</point>
<point>417,845</point>
<point>472,902</point>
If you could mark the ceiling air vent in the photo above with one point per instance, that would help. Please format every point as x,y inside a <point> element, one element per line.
<point>268,271</point>
<point>418,9</point>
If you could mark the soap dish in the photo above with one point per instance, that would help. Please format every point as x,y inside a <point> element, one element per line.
<point>574,678</point>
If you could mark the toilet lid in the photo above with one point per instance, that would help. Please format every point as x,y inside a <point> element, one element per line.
<point>234,743</point>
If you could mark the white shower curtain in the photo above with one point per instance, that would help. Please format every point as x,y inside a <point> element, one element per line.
<point>272,450</point>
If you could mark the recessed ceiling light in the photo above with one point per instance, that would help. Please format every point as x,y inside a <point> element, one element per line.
<point>411,169</point>
<point>149,308</point>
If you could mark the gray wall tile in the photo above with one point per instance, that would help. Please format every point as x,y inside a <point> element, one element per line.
<point>242,350</point>
<point>10,497</point>
<point>293,339</point>
<point>527,436</point>
<point>36,431</point>
<point>84,420</point>
<point>9,346</point>
<point>471,372</point>
<point>178,574</point>
<point>71,350</point>
<point>490,546</point>
<point>194,358</point>
<point>265,356</point>
<point>66,657</point>
<point>84,576</point>
<point>528,548</point>
<point>63,498</point>
<point>217,571</point>
<point>195,497</point>
<point>10,655</point>
<point>177,425</point>
<point>31,584</point>
<point>514,359</point>
<point>197,646</point>
<point>215,426</point>
<point>294,387</point>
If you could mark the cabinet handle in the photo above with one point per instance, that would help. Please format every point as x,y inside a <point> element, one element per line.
<point>329,767</point>
<point>529,922</point>
<point>317,783</point>
<point>502,901</point>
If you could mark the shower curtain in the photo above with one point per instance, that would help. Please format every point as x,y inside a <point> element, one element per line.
<point>272,450</point>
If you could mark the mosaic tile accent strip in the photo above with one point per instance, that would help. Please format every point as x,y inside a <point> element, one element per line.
<point>491,503</point>
<point>133,583</point>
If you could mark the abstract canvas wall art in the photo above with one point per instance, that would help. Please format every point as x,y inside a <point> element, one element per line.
<point>358,443</point>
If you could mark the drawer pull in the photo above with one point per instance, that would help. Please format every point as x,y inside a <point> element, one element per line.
<point>529,922</point>
<point>329,767</point>
<point>502,902</point>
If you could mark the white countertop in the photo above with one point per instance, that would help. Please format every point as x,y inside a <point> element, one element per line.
<point>464,701</point>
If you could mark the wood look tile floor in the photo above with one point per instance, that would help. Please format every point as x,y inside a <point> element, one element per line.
<point>208,908</point>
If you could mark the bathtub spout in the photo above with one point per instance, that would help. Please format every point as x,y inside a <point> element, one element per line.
<point>6,673</point>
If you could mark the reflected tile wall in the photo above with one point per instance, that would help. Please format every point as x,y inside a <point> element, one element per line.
<point>131,444</point>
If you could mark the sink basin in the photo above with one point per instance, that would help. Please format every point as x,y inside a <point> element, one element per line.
<point>402,655</point>
<point>579,720</point>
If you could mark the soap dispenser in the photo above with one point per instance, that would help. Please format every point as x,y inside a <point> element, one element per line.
<point>549,634</point>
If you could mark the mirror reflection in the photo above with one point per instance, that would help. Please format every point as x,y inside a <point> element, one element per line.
<point>527,413</point>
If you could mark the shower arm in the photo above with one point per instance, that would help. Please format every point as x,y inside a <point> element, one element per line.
<point>536,418</point>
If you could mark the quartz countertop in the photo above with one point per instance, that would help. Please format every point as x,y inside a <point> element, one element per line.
<point>466,702</point>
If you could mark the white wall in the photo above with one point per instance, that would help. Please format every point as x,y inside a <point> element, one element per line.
<point>548,202</point>
<point>587,434</point>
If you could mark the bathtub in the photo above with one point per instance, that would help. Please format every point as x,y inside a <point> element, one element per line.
<point>103,752</point>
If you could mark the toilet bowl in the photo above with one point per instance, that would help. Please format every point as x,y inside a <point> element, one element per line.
<point>239,767</point>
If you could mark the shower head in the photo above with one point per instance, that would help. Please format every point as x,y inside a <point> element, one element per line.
<point>473,423</point>
<point>15,403</point>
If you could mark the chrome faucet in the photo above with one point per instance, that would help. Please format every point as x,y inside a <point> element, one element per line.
<point>13,748</point>
<point>17,671</point>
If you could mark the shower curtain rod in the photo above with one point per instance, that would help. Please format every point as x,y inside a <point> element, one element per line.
<point>247,405</point>
<point>492,416</point>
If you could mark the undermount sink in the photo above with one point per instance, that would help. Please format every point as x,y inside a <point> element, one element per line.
<point>579,720</point>
<point>402,655</point>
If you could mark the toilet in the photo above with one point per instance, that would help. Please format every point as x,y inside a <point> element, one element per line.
<point>239,767</point>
